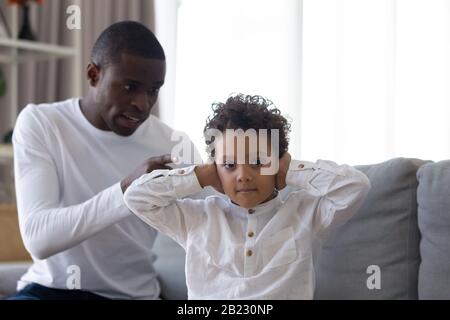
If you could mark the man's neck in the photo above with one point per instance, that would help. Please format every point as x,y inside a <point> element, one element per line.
<point>88,109</point>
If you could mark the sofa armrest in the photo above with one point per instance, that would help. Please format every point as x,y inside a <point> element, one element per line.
<point>10,273</point>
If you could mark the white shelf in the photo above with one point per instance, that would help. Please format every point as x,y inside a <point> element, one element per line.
<point>38,46</point>
<point>32,50</point>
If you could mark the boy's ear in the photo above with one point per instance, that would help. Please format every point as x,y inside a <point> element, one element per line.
<point>93,74</point>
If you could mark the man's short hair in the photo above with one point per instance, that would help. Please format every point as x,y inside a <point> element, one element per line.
<point>128,37</point>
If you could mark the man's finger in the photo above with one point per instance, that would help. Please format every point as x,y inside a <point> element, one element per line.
<point>157,167</point>
<point>166,158</point>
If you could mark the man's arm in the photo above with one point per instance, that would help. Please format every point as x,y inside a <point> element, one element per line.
<point>47,227</point>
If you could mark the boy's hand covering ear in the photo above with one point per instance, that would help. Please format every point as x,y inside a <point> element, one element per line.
<point>284,163</point>
<point>207,176</point>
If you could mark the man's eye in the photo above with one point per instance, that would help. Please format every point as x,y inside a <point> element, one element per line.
<point>153,91</point>
<point>130,87</point>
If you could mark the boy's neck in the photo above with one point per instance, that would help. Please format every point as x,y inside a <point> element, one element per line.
<point>271,197</point>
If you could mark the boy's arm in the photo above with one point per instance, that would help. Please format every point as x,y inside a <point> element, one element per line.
<point>156,198</point>
<point>341,188</point>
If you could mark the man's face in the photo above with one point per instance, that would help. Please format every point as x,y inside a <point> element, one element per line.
<point>243,183</point>
<point>126,92</point>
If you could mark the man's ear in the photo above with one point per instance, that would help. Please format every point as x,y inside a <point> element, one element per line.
<point>93,74</point>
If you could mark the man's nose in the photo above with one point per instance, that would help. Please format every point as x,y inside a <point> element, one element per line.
<point>244,173</point>
<point>142,102</point>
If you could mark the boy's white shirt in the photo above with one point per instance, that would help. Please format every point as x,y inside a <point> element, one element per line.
<point>215,232</point>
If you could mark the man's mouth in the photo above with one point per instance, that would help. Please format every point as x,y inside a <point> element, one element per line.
<point>131,121</point>
<point>131,118</point>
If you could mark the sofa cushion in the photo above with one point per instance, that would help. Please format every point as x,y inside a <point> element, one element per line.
<point>433,196</point>
<point>382,234</point>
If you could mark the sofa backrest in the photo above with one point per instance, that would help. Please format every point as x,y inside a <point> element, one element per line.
<point>433,195</point>
<point>375,255</point>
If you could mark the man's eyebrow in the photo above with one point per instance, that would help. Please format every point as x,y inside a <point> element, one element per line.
<point>157,83</point>
<point>132,80</point>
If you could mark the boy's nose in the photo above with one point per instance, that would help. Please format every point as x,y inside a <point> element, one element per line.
<point>243,173</point>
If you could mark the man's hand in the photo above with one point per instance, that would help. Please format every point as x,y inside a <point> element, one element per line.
<point>148,166</point>
<point>282,170</point>
<point>207,176</point>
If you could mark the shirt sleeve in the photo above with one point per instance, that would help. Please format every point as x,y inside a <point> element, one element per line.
<point>341,190</point>
<point>156,198</point>
<point>46,227</point>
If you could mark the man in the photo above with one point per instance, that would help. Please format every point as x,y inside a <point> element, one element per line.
<point>72,164</point>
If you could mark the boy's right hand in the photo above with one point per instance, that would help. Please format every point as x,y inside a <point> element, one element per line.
<point>207,176</point>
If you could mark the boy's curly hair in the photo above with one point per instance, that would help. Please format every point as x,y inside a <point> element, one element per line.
<point>248,112</point>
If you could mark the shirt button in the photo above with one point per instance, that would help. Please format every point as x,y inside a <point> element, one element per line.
<point>251,211</point>
<point>301,166</point>
<point>251,234</point>
<point>249,253</point>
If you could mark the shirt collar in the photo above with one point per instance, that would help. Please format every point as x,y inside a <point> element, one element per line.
<point>270,206</point>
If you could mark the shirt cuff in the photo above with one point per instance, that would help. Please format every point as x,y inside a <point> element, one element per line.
<point>185,182</point>
<point>299,173</point>
<point>116,202</point>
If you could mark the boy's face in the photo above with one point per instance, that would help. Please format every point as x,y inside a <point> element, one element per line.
<point>243,183</point>
<point>126,92</point>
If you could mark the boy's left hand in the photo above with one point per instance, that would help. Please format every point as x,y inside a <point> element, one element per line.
<point>284,163</point>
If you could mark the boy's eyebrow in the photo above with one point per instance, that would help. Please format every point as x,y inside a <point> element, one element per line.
<point>227,157</point>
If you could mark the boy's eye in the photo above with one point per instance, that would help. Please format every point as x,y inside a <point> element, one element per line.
<point>229,165</point>
<point>256,162</point>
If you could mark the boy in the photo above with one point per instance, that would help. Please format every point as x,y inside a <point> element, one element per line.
<point>252,245</point>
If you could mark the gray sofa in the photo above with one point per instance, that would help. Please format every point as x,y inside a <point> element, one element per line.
<point>403,229</point>
<point>397,246</point>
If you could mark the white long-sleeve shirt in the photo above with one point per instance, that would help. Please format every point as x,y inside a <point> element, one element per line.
<point>71,211</point>
<point>266,252</point>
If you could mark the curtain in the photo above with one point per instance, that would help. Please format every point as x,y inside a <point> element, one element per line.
<point>362,80</point>
<point>375,79</point>
<point>224,47</point>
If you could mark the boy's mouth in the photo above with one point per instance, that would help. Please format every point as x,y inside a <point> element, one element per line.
<point>246,190</point>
